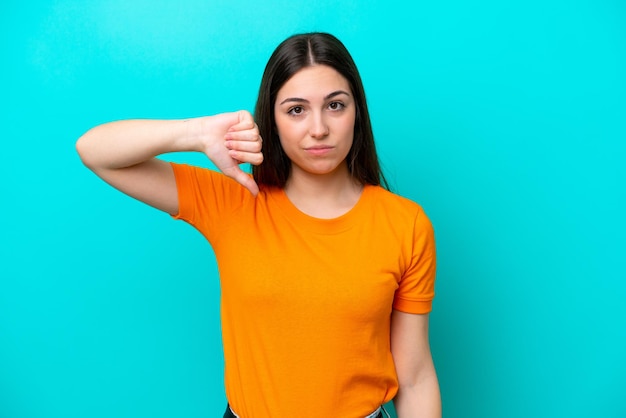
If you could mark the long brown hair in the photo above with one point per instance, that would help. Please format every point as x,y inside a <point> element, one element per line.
<point>292,55</point>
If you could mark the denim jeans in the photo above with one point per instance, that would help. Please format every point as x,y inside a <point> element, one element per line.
<point>229,413</point>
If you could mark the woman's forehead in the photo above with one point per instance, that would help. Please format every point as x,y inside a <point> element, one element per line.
<point>314,82</point>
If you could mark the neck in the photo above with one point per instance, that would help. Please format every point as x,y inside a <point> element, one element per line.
<point>323,196</point>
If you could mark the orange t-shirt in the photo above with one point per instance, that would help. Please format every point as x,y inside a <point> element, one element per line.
<point>306,302</point>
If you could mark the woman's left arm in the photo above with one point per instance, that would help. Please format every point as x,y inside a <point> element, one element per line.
<point>418,394</point>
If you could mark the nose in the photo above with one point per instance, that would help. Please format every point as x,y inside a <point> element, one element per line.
<point>318,128</point>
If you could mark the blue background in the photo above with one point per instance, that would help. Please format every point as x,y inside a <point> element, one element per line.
<point>505,120</point>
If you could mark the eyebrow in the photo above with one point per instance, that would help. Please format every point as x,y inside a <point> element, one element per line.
<point>328,96</point>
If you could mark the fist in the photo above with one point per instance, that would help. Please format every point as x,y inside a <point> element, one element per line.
<point>235,139</point>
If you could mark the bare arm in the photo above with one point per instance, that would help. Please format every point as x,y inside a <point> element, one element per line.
<point>418,394</point>
<point>123,153</point>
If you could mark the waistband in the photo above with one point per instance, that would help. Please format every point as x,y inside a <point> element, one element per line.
<point>378,413</point>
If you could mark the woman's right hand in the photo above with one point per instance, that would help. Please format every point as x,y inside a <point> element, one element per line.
<point>123,153</point>
<point>230,139</point>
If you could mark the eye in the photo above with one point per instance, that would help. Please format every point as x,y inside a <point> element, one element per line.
<point>336,106</point>
<point>296,110</point>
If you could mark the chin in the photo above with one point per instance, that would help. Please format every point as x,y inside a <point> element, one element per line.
<point>325,170</point>
<point>322,168</point>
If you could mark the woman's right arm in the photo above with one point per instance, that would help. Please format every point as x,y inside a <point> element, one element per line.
<point>123,153</point>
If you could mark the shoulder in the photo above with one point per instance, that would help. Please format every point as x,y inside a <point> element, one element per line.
<point>402,217</point>
<point>209,189</point>
<point>399,205</point>
<point>204,177</point>
<point>185,170</point>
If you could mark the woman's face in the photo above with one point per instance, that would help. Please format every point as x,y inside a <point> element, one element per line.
<point>315,113</point>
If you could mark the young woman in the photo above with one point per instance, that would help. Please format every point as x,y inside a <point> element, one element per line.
<point>327,278</point>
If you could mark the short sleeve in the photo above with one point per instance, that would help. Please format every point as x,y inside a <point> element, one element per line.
<point>417,285</point>
<point>207,199</point>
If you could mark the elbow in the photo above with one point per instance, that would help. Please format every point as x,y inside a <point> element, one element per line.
<point>83,150</point>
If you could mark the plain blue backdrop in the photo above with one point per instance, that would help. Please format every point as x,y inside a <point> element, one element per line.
<point>505,120</point>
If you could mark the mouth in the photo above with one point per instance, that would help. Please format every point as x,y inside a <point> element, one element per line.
<point>319,149</point>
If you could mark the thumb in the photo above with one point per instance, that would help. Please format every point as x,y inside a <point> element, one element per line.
<point>242,178</point>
